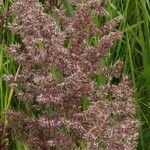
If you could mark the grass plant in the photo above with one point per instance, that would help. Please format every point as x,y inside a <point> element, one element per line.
<point>133,49</point>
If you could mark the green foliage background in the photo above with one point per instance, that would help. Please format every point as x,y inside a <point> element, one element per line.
<point>134,49</point>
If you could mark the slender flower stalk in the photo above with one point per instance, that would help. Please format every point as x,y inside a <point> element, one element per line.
<point>58,65</point>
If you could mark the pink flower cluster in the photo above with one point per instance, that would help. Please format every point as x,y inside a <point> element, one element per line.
<point>58,64</point>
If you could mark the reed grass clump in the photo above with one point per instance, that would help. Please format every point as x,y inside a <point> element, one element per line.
<point>64,106</point>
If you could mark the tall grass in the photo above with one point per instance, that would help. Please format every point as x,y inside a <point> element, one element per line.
<point>7,65</point>
<point>134,49</point>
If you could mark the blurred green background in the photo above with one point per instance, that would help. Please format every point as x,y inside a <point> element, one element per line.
<point>134,49</point>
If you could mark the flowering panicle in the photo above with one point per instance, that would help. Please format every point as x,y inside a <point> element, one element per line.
<point>58,64</point>
<point>4,135</point>
<point>49,4</point>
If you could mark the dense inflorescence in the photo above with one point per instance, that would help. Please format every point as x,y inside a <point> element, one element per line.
<point>56,80</point>
<point>4,136</point>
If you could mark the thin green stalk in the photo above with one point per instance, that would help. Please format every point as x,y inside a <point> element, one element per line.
<point>68,7</point>
<point>12,91</point>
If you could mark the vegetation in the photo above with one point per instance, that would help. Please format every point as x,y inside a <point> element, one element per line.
<point>133,49</point>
